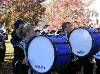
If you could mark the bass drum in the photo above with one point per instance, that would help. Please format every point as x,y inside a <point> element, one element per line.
<point>47,52</point>
<point>84,41</point>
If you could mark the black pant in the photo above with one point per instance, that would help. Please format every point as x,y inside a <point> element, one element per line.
<point>72,68</point>
<point>75,67</point>
<point>87,65</point>
<point>98,66</point>
<point>20,68</point>
<point>88,68</point>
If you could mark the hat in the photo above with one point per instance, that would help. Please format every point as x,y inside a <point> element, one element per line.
<point>17,23</point>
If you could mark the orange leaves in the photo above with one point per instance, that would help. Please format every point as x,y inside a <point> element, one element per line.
<point>69,10</point>
<point>25,9</point>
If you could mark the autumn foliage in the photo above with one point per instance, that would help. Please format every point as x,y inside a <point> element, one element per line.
<point>28,10</point>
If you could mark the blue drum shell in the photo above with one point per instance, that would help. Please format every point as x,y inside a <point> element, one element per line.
<point>63,54</point>
<point>95,40</point>
<point>62,50</point>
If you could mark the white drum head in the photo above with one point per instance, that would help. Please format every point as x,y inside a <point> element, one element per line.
<point>81,42</point>
<point>41,54</point>
<point>97,56</point>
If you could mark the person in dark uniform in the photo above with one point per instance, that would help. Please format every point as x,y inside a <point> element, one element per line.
<point>21,63</point>
<point>98,60</point>
<point>15,39</point>
<point>72,67</point>
<point>86,62</point>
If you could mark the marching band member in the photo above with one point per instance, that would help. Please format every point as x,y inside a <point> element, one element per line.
<point>97,59</point>
<point>15,39</point>
<point>87,62</point>
<point>27,33</point>
<point>72,67</point>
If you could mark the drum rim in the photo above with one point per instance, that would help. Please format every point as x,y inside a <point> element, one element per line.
<point>91,38</point>
<point>54,62</point>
